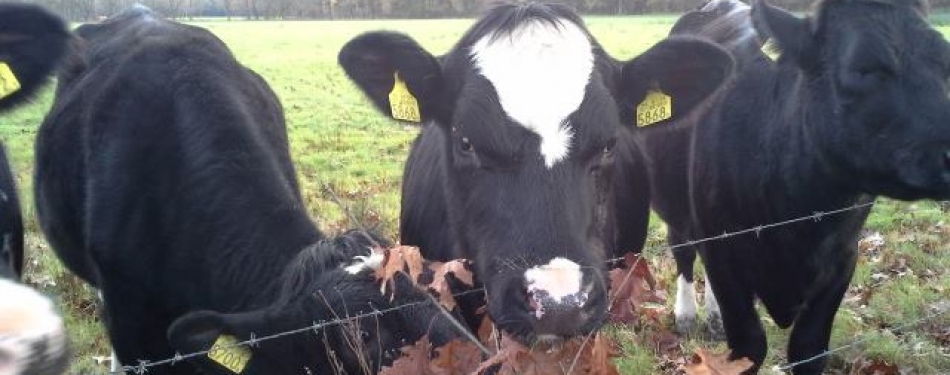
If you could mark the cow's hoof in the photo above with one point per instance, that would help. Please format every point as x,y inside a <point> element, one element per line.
<point>716,331</point>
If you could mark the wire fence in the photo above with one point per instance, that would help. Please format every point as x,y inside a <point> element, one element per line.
<point>144,366</point>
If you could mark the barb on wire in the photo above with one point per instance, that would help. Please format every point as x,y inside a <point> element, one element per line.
<point>865,338</point>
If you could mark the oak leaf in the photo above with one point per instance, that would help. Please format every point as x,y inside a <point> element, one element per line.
<point>400,259</point>
<point>706,363</point>
<point>440,280</point>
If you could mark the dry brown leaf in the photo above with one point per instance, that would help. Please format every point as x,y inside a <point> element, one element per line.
<point>399,259</point>
<point>602,354</point>
<point>706,363</point>
<point>440,282</point>
<point>875,367</point>
<point>629,288</point>
<point>414,360</point>
<point>456,358</point>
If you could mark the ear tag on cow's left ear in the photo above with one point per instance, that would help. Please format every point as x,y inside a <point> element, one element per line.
<point>229,354</point>
<point>656,107</point>
<point>404,106</point>
<point>8,82</point>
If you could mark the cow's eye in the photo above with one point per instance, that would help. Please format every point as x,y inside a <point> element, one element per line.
<point>466,145</point>
<point>364,335</point>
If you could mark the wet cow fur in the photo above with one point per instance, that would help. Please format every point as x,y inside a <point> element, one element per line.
<point>512,168</point>
<point>32,338</point>
<point>856,107</point>
<point>163,178</point>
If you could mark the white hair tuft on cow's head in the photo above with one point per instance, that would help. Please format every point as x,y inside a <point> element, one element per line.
<point>540,71</point>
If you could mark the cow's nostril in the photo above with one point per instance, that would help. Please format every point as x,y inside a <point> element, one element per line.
<point>946,160</point>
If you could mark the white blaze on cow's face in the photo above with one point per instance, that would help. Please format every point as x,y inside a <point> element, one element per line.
<point>558,281</point>
<point>28,322</point>
<point>540,73</point>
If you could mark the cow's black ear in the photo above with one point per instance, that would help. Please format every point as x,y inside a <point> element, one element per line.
<point>401,78</point>
<point>792,35</point>
<point>197,331</point>
<point>32,42</point>
<point>683,71</point>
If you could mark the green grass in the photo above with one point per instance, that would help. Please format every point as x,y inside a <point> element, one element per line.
<point>339,140</point>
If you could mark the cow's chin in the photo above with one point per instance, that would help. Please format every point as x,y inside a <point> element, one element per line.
<point>521,323</point>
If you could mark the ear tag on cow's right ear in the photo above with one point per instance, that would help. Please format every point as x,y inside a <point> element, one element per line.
<point>771,50</point>
<point>656,107</point>
<point>404,106</point>
<point>229,354</point>
<point>8,82</point>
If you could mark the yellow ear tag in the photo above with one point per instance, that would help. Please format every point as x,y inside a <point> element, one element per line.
<point>656,107</point>
<point>8,82</point>
<point>771,50</point>
<point>227,353</point>
<point>404,106</point>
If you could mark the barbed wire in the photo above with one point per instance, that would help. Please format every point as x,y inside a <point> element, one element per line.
<point>863,339</point>
<point>253,341</point>
<point>817,216</point>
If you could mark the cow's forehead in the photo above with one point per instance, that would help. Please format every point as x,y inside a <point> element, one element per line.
<point>540,71</point>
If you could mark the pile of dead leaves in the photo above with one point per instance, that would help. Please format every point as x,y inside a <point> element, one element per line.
<point>634,300</point>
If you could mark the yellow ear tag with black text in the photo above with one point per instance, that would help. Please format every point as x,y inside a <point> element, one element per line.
<point>656,107</point>
<point>227,353</point>
<point>404,106</point>
<point>8,82</point>
<point>770,49</point>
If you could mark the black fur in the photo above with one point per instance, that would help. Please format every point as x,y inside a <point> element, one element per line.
<point>163,177</point>
<point>856,107</point>
<point>495,202</point>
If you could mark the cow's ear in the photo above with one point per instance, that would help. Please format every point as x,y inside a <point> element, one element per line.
<point>219,334</point>
<point>792,35</point>
<point>402,79</point>
<point>671,79</point>
<point>32,41</point>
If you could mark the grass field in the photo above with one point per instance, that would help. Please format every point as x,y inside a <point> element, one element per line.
<point>338,140</point>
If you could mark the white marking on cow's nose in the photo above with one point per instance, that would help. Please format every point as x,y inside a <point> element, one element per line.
<point>559,279</point>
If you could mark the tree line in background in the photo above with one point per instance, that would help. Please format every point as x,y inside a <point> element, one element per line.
<point>88,10</point>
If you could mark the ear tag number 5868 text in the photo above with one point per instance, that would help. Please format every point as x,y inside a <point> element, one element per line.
<point>656,107</point>
<point>404,106</point>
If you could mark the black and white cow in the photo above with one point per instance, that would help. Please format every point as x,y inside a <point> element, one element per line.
<point>32,338</point>
<point>163,178</point>
<point>512,168</point>
<point>856,107</point>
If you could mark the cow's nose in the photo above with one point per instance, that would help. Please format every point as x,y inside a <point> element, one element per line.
<point>946,160</point>
<point>563,303</point>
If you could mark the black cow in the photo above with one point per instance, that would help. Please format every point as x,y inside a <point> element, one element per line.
<point>856,107</point>
<point>32,339</point>
<point>514,170</point>
<point>163,178</point>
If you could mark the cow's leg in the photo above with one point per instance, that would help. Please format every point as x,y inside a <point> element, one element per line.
<point>137,331</point>
<point>685,307</point>
<point>744,332</point>
<point>713,315</point>
<point>812,329</point>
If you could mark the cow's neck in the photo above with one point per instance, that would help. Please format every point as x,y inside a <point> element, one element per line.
<point>800,168</point>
